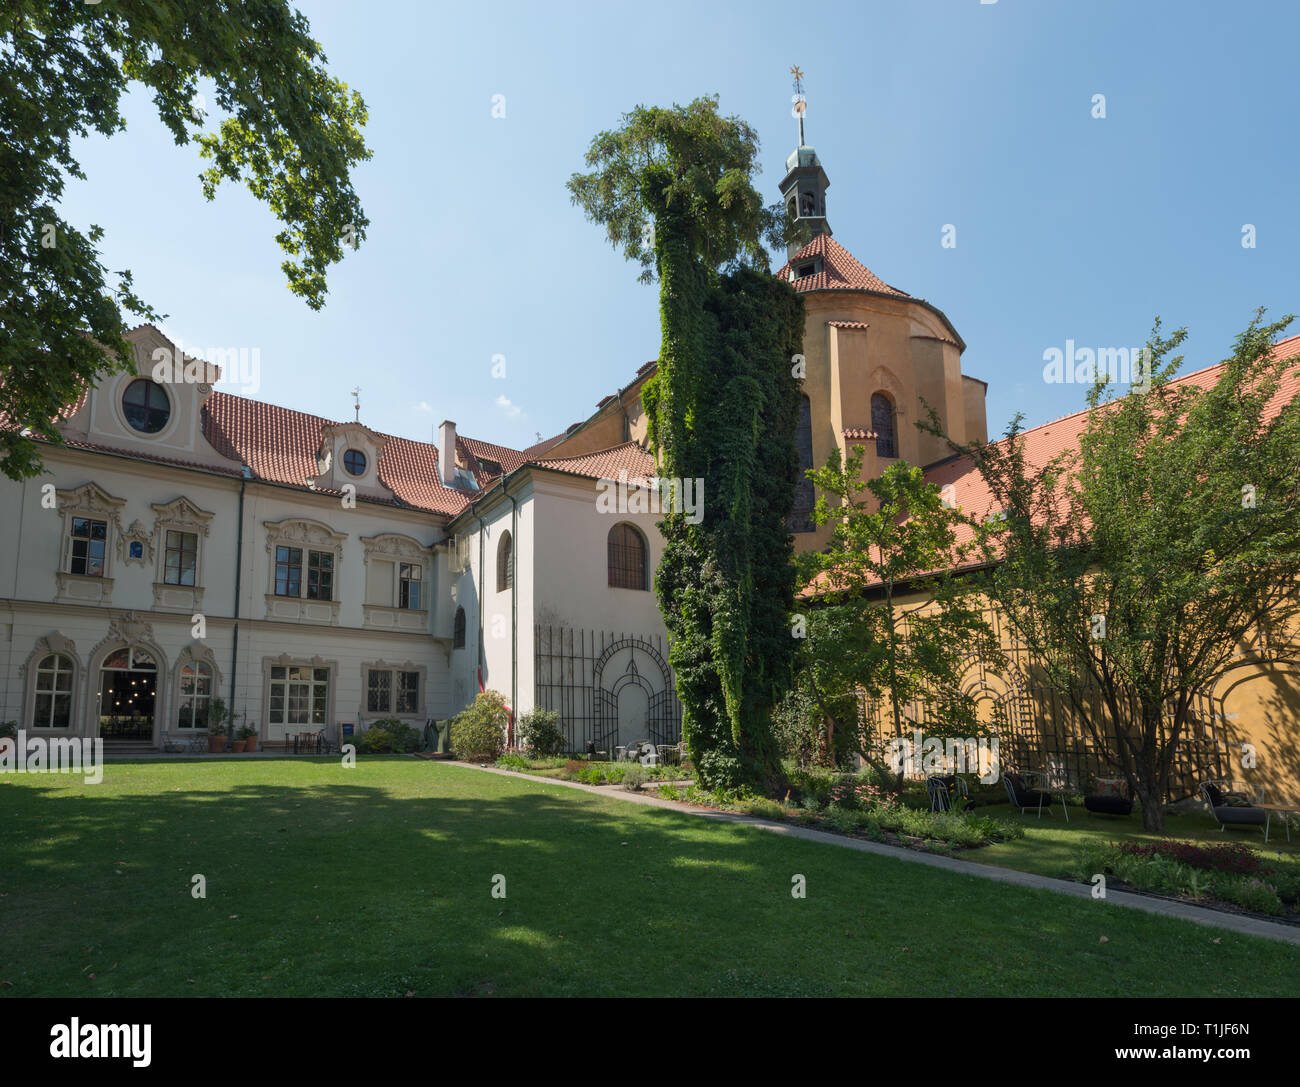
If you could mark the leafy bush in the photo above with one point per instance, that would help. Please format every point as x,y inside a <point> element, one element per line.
<point>9,729</point>
<point>478,731</point>
<point>1250,893</point>
<point>512,760</point>
<point>389,736</point>
<point>540,733</point>
<point>634,777</point>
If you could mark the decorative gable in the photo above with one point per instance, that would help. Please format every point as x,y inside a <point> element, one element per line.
<point>349,456</point>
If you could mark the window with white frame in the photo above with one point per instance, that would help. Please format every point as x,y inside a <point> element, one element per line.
<point>195,695</point>
<point>53,705</point>
<point>299,695</point>
<point>408,585</point>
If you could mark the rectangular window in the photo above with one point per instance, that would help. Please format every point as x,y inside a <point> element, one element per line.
<point>409,585</point>
<point>408,692</point>
<point>288,571</point>
<point>298,696</point>
<point>180,559</point>
<point>379,691</point>
<point>320,575</point>
<point>88,541</point>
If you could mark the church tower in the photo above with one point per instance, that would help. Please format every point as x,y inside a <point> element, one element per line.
<point>876,357</point>
<point>805,184</point>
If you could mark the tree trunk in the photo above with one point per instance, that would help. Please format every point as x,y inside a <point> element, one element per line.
<point>1153,808</point>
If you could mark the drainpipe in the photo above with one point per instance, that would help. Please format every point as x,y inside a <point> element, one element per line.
<point>239,568</point>
<point>514,608</point>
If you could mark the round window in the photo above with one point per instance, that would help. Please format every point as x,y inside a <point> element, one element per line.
<point>146,406</point>
<point>355,462</point>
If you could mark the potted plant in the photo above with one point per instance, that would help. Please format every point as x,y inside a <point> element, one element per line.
<point>248,733</point>
<point>217,715</point>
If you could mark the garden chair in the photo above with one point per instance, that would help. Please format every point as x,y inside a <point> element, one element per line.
<point>1024,792</point>
<point>1234,807</point>
<point>945,790</point>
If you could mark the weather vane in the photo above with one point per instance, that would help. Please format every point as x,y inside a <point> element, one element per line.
<point>798,99</point>
<point>356,395</point>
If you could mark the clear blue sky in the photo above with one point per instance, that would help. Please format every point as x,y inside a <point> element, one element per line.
<point>924,113</point>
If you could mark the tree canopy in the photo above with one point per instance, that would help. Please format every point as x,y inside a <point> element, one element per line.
<point>1137,569</point>
<point>289,130</point>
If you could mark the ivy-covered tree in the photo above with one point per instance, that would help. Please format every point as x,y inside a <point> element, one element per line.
<point>288,129</point>
<point>886,616</point>
<point>1135,569</point>
<point>673,188</point>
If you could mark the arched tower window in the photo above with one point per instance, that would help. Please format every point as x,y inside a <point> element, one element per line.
<point>882,422</point>
<point>458,630</point>
<point>505,564</point>
<point>627,558</point>
<point>800,519</point>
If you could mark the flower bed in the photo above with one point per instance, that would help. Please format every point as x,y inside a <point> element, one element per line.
<point>1220,875</point>
<point>877,820</point>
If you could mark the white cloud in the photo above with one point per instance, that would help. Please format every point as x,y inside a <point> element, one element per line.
<point>513,411</point>
<point>423,406</point>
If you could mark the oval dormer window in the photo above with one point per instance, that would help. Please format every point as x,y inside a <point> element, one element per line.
<point>146,406</point>
<point>355,462</point>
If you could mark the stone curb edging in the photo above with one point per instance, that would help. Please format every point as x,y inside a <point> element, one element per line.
<point>1247,926</point>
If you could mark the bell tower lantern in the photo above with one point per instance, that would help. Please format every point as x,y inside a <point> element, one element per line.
<point>804,188</point>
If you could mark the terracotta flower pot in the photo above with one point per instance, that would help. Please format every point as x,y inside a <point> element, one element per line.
<point>251,744</point>
<point>216,745</point>
<point>238,745</point>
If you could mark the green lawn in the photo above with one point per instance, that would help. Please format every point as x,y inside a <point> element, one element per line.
<point>376,881</point>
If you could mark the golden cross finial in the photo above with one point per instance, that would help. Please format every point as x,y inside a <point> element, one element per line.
<point>356,395</point>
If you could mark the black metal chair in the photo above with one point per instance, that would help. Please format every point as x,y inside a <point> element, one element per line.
<point>1219,795</point>
<point>1024,793</point>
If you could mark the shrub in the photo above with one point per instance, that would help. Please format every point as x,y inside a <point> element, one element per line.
<point>540,733</point>
<point>512,760</point>
<point>634,777</point>
<point>9,729</point>
<point>478,731</point>
<point>1249,893</point>
<point>390,736</point>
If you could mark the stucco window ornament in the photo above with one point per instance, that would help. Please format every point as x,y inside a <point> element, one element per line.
<point>135,545</point>
<point>305,570</point>
<point>180,528</point>
<point>91,530</point>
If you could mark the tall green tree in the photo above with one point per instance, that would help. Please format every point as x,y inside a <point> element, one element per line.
<point>1135,568</point>
<point>287,128</point>
<point>673,187</point>
<point>887,617</point>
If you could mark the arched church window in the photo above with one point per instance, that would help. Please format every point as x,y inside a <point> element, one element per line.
<point>808,204</point>
<point>627,558</point>
<point>505,564</point>
<point>882,422</point>
<point>800,519</point>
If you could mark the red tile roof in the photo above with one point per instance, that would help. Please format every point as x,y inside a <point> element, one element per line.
<point>1042,443</point>
<point>280,445</point>
<point>606,463</point>
<point>840,270</point>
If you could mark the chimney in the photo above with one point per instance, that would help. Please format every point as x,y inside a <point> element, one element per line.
<point>447,453</point>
